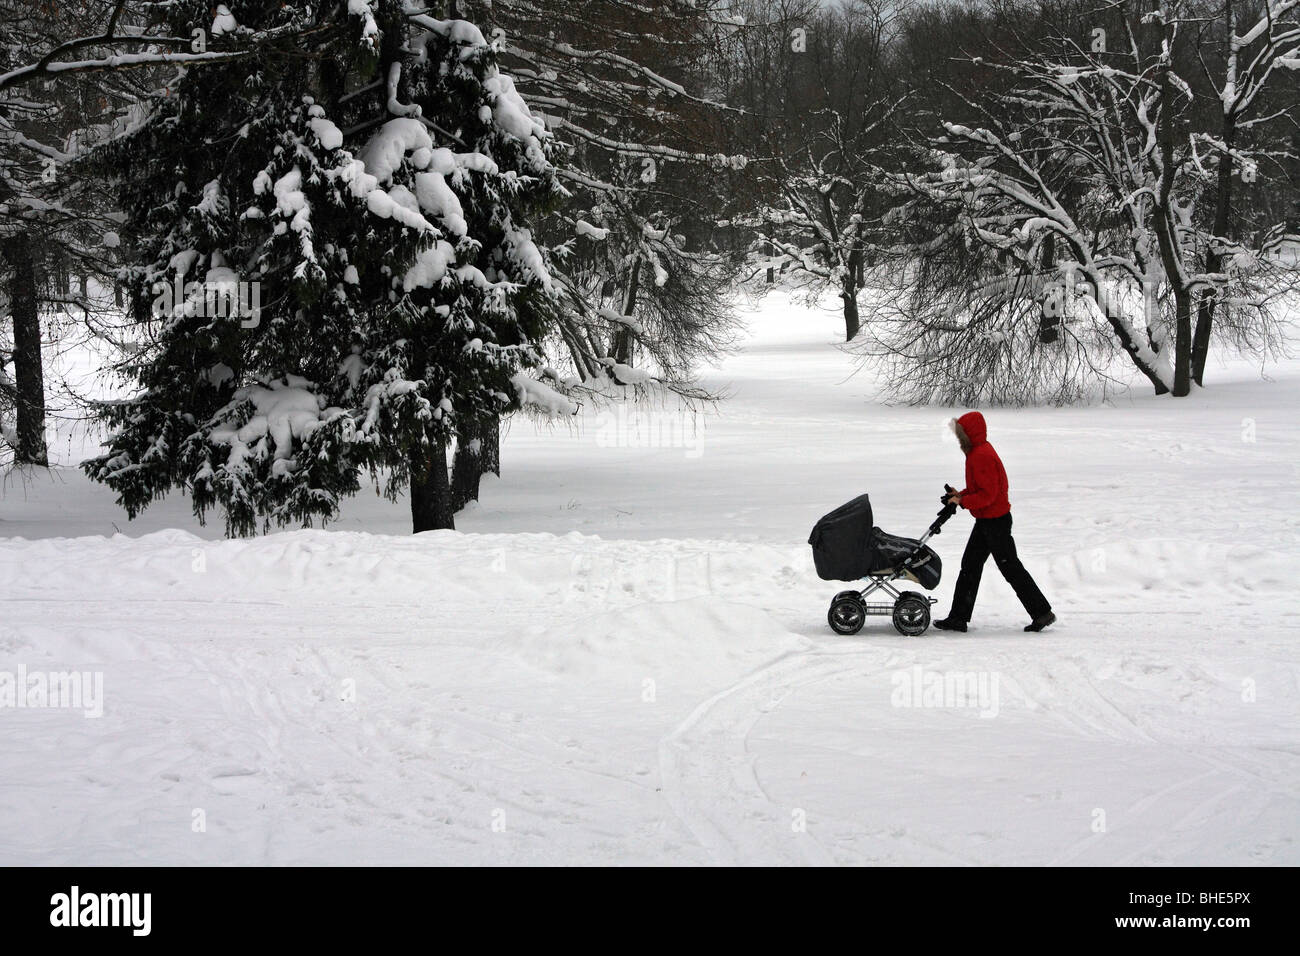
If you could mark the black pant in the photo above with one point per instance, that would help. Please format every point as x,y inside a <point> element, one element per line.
<point>993,536</point>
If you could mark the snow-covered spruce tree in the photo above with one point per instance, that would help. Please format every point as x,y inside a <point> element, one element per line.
<point>344,297</point>
<point>642,293</point>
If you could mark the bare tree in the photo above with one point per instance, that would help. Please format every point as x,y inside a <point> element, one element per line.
<point>819,218</point>
<point>1085,184</point>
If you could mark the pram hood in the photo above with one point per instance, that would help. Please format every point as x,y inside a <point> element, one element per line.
<point>847,546</point>
<point>841,541</point>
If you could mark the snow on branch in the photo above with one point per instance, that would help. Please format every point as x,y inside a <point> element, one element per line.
<point>534,394</point>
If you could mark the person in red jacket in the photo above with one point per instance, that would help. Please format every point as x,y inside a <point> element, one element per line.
<point>985,497</point>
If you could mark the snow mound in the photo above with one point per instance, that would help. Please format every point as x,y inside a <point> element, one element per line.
<point>1175,565</point>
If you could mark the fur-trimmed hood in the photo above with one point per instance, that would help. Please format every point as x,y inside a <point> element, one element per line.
<point>971,426</point>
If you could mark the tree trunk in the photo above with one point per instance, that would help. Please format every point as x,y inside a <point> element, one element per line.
<point>29,376</point>
<point>1157,383</point>
<point>622,345</point>
<point>478,451</point>
<point>1048,324</point>
<point>851,325</point>
<point>855,282</point>
<point>431,508</point>
<point>490,452</point>
<point>1167,233</point>
<point>1213,259</point>
<point>1131,346</point>
<point>1182,344</point>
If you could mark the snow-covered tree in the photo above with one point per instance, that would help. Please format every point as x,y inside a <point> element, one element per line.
<point>821,83</point>
<point>629,92</point>
<point>45,218</point>
<point>827,222</point>
<point>1253,72</point>
<point>333,262</point>
<point>71,74</point>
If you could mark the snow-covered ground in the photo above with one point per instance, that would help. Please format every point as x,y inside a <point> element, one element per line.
<point>622,656</point>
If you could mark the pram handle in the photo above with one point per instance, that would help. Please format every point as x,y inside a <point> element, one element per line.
<point>947,511</point>
<point>944,513</point>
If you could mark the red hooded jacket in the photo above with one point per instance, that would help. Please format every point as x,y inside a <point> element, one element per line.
<point>985,494</point>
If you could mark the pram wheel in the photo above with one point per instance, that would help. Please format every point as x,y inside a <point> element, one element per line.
<point>911,614</point>
<point>847,613</point>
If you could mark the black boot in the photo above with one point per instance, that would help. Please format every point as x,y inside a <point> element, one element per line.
<point>948,624</point>
<point>1038,623</point>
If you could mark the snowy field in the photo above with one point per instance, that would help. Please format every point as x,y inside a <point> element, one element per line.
<point>622,655</point>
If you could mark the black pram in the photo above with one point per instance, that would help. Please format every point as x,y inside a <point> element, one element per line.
<point>848,547</point>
